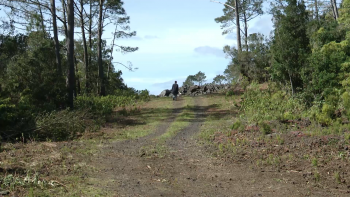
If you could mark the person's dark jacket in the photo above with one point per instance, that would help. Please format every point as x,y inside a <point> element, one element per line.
<point>175,89</point>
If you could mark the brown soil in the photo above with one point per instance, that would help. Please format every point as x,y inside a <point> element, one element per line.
<point>184,166</point>
<point>188,169</point>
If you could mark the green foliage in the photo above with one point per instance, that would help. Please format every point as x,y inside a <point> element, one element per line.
<point>317,176</point>
<point>327,67</point>
<point>252,63</point>
<point>15,118</point>
<point>247,10</point>
<point>143,95</point>
<point>60,125</point>
<point>200,78</point>
<point>270,104</point>
<point>265,128</point>
<point>325,117</point>
<point>230,93</point>
<point>290,45</point>
<point>189,81</point>
<point>314,162</point>
<point>219,79</point>
<point>236,125</point>
<point>337,178</point>
<point>346,102</point>
<point>102,106</point>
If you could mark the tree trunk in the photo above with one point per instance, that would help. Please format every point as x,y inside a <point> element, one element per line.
<point>238,27</point>
<point>87,82</point>
<point>111,57</point>
<point>291,83</point>
<point>64,17</point>
<point>55,35</point>
<point>99,48</point>
<point>316,10</point>
<point>77,90</point>
<point>42,18</point>
<point>245,30</point>
<point>335,9</point>
<point>86,60</point>
<point>70,53</point>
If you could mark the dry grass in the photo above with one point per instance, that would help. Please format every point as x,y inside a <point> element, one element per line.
<point>62,167</point>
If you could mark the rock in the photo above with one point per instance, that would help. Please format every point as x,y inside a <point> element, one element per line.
<point>4,192</point>
<point>193,88</point>
<point>165,93</point>
<point>198,90</point>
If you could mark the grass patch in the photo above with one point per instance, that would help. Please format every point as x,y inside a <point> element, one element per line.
<point>181,122</point>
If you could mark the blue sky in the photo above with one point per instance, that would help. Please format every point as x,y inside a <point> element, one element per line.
<point>176,38</point>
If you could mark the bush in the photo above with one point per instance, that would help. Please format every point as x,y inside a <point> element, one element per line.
<point>346,102</point>
<point>325,117</point>
<point>265,128</point>
<point>230,93</point>
<point>270,104</point>
<point>16,118</point>
<point>102,106</point>
<point>236,125</point>
<point>60,125</point>
<point>144,95</point>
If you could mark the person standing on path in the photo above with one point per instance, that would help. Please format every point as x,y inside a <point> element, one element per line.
<point>175,90</point>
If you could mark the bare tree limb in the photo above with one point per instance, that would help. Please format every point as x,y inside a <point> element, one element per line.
<point>223,4</point>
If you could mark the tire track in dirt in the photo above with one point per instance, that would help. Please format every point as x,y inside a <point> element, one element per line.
<point>188,169</point>
<point>118,160</point>
<point>130,146</point>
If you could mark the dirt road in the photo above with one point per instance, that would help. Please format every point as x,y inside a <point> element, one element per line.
<point>185,168</point>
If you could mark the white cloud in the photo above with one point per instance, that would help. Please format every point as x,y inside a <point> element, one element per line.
<point>179,40</point>
<point>150,37</point>
<point>231,36</point>
<point>145,80</point>
<point>207,50</point>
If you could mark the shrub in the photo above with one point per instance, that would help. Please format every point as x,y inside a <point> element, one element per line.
<point>325,117</point>
<point>271,104</point>
<point>144,95</point>
<point>346,102</point>
<point>238,125</point>
<point>265,128</point>
<point>60,125</point>
<point>230,93</point>
<point>103,106</point>
<point>16,118</point>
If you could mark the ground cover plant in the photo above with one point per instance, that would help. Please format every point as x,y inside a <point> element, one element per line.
<point>42,168</point>
<point>275,131</point>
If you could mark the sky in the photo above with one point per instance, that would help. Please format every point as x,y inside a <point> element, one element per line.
<point>176,38</point>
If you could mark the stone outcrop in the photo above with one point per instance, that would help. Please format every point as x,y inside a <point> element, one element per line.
<point>197,90</point>
<point>165,93</point>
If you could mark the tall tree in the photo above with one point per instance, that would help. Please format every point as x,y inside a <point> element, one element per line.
<point>229,19</point>
<point>247,10</point>
<point>219,79</point>
<point>109,10</point>
<point>70,53</point>
<point>102,90</point>
<point>290,46</point>
<point>238,29</point>
<point>250,10</point>
<point>122,30</point>
<point>335,9</point>
<point>86,56</point>
<point>55,33</point>
<point>200,78</point>
<point>189,81</point>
